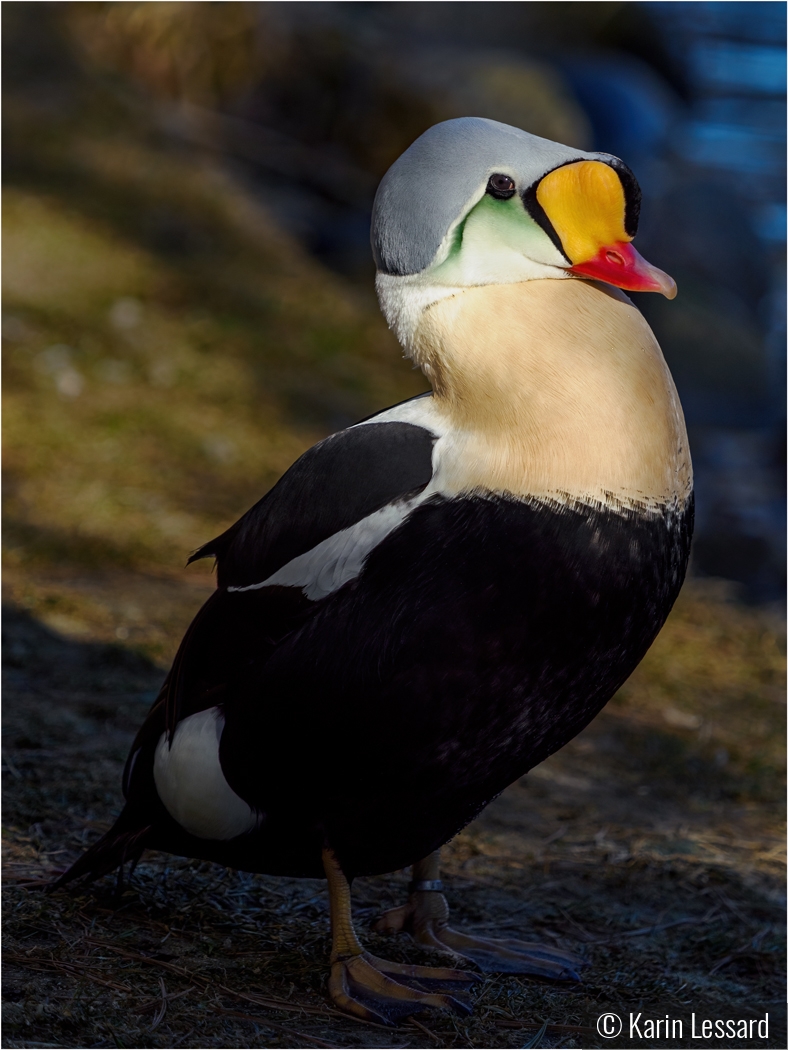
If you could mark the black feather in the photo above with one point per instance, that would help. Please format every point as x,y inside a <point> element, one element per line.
<point>331,487</point>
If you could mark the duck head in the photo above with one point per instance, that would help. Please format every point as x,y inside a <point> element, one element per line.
<point>475,202</point>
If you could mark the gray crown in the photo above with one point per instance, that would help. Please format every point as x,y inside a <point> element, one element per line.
<point>442,175</point>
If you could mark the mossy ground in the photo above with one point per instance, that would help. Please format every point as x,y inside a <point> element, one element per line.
<point>167,354</point>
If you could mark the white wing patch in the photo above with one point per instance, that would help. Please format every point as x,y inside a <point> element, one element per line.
<point>332,563</point>
<point>340,558</point>
<point>191,784</point>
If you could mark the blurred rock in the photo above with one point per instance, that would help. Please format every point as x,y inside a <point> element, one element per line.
<point>200,52</point>
<point>499,84</point>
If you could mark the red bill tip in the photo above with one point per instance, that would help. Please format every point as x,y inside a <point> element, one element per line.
<point>620,264</point>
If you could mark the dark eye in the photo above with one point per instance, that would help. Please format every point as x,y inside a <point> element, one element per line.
<point>501,187</point>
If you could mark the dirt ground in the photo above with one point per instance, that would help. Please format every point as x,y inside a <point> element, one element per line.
<point>652,845</point>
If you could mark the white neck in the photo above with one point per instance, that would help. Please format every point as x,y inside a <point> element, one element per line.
<point>403,300</point>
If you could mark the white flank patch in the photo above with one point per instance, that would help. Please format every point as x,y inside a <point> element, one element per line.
<point>191,784</point>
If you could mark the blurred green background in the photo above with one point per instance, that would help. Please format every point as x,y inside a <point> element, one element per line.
<point>188,284</point>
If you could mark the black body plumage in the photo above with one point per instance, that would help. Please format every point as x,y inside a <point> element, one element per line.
<point>482,634</point>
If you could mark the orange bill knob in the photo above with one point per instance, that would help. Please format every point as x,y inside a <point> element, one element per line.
<point>586,204</point>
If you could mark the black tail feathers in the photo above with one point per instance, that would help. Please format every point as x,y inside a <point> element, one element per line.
<point>121,844</point>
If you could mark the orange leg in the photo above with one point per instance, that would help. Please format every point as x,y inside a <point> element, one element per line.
<point>426,918</point>
<point>373,988</point>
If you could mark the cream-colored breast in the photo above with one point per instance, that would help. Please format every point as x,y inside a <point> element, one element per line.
<point>556,389</point>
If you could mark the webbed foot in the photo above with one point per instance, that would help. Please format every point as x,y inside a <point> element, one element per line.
<point>425,918</point>
<point>387,992</point>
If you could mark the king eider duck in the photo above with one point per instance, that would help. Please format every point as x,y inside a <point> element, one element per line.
<point>431,602</point>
